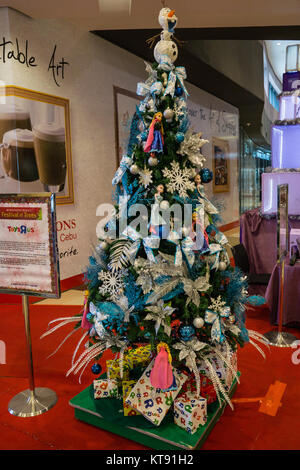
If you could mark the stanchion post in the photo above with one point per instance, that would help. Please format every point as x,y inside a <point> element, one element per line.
<point>33,401</point>
<point>278,337</point>
<point>25,308</point>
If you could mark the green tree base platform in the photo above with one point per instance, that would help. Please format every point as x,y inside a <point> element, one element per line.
<point>107,414</point>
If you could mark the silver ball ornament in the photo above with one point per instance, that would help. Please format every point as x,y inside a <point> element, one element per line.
<point>103,245</point>
<point>198,322</point>
<point>222,266</point>
<point>134,169</point>
<point>164,205</point>
<point>168,114</point>
<point>152,161</point>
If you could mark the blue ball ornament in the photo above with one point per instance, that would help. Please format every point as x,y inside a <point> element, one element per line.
<point>186,332</point>
<point>96,368</point>
<point>178,91</point>
<point>144,136</point>
<point>89,317</point>
<point>206,175</point>
<point>179,137</point>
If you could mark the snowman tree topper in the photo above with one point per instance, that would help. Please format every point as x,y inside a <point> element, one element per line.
<point>166,51</point>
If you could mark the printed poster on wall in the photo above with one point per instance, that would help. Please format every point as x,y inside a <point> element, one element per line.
<point>28,248</point>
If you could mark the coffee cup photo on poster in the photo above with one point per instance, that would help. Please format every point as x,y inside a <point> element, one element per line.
<point>33,150</point>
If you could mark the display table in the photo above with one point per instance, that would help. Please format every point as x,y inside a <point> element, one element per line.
<point>108,415</point>
<point>259,237</point>
<point>291,297</point>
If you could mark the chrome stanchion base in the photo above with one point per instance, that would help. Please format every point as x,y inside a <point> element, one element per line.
<point>54,188</point>
<point>27,403</point>
<point>281,340</point>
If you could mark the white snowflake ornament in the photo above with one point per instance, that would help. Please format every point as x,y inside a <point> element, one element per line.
<point>179,179</point>
<point>145,177</point>
<point>217,305</point>
<point>112,283</point>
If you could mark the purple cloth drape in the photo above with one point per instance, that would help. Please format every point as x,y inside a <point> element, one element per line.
<point>291,296</point>
<point>259,237</point>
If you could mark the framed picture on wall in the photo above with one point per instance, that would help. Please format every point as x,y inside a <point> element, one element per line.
<point>35,140</point>
<point>125,103</point>
<point>221,165</point>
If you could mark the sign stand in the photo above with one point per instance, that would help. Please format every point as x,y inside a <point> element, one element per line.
<point>29,267</point>
<point>33,401</point>
<point>279,338</point>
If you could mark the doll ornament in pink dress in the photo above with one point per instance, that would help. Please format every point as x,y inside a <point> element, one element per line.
<point>162,374</point>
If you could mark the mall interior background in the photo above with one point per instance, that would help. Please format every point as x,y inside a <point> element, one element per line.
<point>234,96</point>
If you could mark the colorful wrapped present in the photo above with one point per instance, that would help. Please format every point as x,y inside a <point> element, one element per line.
<point>105,388</point>
<point>230,375</point>
<point>127,386</point>
<point>113,370</point>
<point>206,386</point>
<point>140,356</point>
<point>224,373</point>
<point>151,402</point>
<point>190,411</point>
<point>207,390</point>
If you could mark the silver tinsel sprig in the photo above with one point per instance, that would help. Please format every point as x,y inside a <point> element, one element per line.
<point>191,147</point>
<point>160,313</point>
<point>175,275</point>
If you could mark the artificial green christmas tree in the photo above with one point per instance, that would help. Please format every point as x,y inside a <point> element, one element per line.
<point>161,292</point>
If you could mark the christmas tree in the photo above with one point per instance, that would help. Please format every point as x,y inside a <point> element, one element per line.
<point>161,292</point>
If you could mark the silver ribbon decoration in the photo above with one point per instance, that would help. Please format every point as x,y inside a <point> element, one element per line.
<point>221,238</point>
<point>150,88</point>
<point>159,313</point>
<point>215,249</point>
<point>99,317</point>
<point>188,350</point>
<point>147,90</point>
<point>125,163</point>
<point>176,73</point>
<point>215,319</point>
<point>149,243</point>
<point>186,247</point>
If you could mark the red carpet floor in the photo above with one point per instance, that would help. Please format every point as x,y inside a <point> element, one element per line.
<point>244,429</point>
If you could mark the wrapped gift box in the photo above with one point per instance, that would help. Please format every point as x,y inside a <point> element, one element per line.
<point>224,374</point>
<point>207,389</point>
<point>113,370</point>
<point>138,356</point>
<point>127,386</point>
<point>105,388</point>
<point>151,402</point>
<point>190,411</point>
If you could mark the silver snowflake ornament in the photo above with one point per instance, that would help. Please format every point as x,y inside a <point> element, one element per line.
<point>145,177</point>
<point>217,305</point>
<point>179,179</point>
<point>112,283</point>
